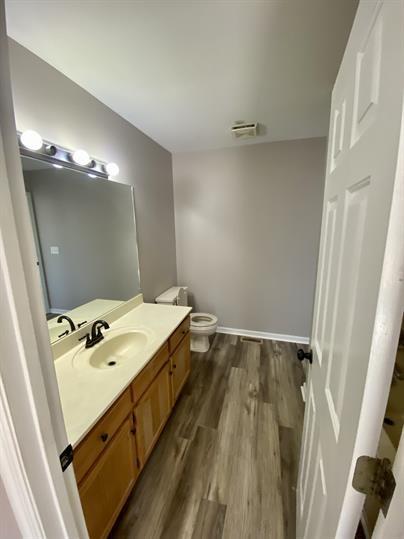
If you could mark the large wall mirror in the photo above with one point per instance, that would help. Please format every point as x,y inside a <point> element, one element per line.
<point>85,235</point>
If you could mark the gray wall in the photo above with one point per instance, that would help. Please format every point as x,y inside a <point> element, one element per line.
<point>92,222</point>
<point>247,228</point>
<point>61,111</point>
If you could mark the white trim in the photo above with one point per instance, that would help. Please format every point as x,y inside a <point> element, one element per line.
<point>32,429</point>
<point>13,475</point>
<point>264,335</point>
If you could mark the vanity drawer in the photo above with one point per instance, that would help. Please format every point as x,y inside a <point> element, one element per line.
<point>148,374</point>
<point>179,334</point>
<point>97,439</point>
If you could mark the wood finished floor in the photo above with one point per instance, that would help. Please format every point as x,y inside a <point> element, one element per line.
<point>226,463</point>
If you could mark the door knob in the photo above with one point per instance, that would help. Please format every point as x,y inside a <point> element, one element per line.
<point>301,355</point>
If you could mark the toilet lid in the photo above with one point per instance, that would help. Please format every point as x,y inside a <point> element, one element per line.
<point>203,319</point>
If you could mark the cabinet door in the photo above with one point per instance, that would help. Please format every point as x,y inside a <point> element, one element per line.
<point>105,488</point>
<point>152,412</point>
<point>180,366</point>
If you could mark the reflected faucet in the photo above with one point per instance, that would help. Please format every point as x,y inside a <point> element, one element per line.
<point>96,334</point>
<point>65,317</point>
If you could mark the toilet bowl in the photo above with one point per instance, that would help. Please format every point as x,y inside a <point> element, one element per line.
<point>202,326</point>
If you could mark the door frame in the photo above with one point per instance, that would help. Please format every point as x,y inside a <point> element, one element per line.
<point>38,248</point>
<point>44,500</point>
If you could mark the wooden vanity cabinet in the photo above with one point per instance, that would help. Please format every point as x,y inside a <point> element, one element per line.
<point>177,336</point>
<point>152,412</point>
<point>98,438</point>
<point>106,487</point>
<point>111,456</point>
<point>180,366</point>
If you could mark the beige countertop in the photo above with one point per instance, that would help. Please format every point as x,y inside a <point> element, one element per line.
<point>86,393</point>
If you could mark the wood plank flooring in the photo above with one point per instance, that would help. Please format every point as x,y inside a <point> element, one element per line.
<point>225,466</point>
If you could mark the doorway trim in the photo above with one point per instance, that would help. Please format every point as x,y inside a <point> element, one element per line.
<point>44,500</point>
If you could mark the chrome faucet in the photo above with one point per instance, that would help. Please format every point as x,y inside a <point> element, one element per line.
<point>96,334</point>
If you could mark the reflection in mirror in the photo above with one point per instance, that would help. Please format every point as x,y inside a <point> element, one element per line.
<point>85,237</point>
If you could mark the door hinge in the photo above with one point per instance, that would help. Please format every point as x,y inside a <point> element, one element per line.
<point>66,457</point>
<point>374,477</point>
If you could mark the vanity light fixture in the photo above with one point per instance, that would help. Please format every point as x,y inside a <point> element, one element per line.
<point>81,157</point>
<point>111,169</point>
<point>31,140</point>
<point>32,145</point>
<point>50,149</point>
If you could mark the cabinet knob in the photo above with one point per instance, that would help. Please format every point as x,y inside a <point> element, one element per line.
<point>104,436</point>
<point>174,366</point>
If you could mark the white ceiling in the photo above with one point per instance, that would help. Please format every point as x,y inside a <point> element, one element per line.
<point>184,71</point>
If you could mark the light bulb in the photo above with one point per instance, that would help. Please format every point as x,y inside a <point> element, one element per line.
<point>81,157</point>
<point>57,166</point>
<point>31,140</point>
<point>112,169</point>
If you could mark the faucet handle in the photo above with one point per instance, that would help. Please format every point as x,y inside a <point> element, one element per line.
<point>81,323</point>
<point>87,337</point>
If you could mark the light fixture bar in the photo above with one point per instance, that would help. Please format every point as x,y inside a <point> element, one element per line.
<point>29,143</point>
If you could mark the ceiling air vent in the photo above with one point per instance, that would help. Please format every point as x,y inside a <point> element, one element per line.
<point>244,130</point>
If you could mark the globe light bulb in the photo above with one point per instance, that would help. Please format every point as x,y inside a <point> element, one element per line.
<point>31,140</point>
<point>81,157</point>
<point>112,169</point>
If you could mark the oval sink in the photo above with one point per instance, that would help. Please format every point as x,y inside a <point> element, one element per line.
<point>118,347</point>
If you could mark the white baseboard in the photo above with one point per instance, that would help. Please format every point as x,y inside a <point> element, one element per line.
<point>264,335</point>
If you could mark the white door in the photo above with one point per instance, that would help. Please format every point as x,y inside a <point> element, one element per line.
<point>363,151</point>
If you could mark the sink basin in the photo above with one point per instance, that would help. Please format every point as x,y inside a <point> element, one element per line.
<point>117,348</point>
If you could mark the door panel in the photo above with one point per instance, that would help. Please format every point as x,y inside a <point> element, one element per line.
<point>105,489</point>
<point>365,123</point>
<point>180,366</point>
<point>152,412</point>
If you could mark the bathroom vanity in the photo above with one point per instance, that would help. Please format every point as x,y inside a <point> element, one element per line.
<point>115,413</point>
<point>117,389</point>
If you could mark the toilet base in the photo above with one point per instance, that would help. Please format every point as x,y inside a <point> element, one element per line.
<point>199,343</point>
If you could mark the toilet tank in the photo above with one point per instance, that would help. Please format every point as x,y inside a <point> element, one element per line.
<point>176,295</point>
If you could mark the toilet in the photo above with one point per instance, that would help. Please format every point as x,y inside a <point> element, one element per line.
<point>203,325</point>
